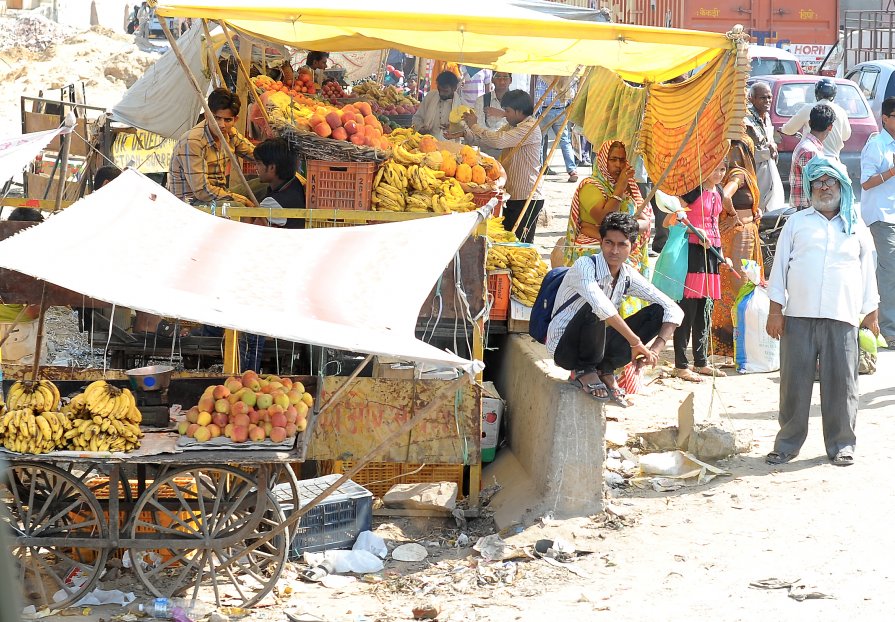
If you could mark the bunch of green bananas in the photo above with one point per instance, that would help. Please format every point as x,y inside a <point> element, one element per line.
<point>39,396</point>
<point>24,431</point>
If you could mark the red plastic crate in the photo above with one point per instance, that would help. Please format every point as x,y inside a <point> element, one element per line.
<point>481,199</point>
<point>340,185</point>
<point>499,291</point>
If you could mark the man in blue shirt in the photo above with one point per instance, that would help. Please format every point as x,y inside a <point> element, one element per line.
<point>878,211</point>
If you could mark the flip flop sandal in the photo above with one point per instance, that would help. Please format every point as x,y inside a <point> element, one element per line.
<point>843,459</point>
<point>776,457</point>
<point>592,389</point>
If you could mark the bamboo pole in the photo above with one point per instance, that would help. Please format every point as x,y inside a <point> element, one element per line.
<point>341,390</point>
<point>546,162</point>
<point>209,116</point>
<point>209,49</point>
<point>687,136</point>
<point>425,411</point>
<point>245,74</point>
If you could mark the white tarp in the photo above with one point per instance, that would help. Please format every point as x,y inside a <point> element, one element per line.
<point>16,152</point>
<point>163,101</point>
<point>134,244</point>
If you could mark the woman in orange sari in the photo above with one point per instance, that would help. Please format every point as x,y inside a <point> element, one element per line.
<point>739,237</point>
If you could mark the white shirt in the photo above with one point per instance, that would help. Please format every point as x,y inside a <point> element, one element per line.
<point>488,122</point>
<point>878,203</point>
<point>835,140</point>
<point>820,272</point>
<point>525,164</point>
<point>433,113</point>
<point>592,281</point>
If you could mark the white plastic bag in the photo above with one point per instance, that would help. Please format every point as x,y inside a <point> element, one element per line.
<point>361,562</point>
<point>754,350</point>
<point>370,542</point>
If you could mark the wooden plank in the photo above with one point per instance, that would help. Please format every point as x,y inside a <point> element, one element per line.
<point>374,407</point>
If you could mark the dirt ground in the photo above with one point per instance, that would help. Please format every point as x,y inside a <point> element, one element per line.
<point>689,554</point>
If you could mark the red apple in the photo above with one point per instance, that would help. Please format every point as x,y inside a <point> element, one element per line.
<point>222,406</point>
<point>240,421</point>
<point>291,429</point>
<point>239,434</point>
<point>191,430</point>
<point>220,419</point>
<point>221,392</point>
<point>257,434</point>
<point>278,420</point>
<point>277,434</point>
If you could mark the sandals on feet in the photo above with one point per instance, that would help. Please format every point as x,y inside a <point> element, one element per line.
<point>686,374</point>
<point>843,459</point>
<point>710,371</point>
<point>596,390</point>
<point>617,395</point>
<point>777,457</point>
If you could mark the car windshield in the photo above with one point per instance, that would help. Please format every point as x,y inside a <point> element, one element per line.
<point>793,95</point>
<point>773,67</point>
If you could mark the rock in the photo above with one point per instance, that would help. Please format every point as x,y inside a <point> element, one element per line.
<point>716,441</point>
<point>613,464</point>
<point>412,552</point>
<point>660,440</point>
<point>425,612</point>
<point>441,496</point>
<point>613,479</point>
<point>614,453</point>
<point>615,435</point>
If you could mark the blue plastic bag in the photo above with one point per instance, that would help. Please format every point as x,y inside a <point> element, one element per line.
<point>671,267</point>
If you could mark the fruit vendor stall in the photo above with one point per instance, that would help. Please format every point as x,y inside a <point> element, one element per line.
<point>200,509</point>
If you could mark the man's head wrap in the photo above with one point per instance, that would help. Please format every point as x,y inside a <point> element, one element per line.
<point>817,167</point>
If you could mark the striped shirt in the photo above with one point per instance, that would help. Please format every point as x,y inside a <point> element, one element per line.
<point>592,281</point>
<point>199,166</point>
<point>525,164</point>
<point>472,86</point>
<point>807,148</point>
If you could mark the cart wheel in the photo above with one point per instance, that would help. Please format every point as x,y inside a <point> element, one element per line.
<point>43,503</point>
<point>197,519</point>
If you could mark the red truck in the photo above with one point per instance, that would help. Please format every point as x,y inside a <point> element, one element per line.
<point>776,23</point>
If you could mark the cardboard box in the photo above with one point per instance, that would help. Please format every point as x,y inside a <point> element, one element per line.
<point>518,318</point>
<point>387,367</point>
<point>25,5</point>
<point>492,413</point>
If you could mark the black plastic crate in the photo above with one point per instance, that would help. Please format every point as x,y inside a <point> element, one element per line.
<point>336,522</point>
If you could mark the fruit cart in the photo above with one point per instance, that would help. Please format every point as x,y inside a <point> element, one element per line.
<point>198,524</point>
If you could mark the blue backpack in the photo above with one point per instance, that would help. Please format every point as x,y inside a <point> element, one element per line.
<point>543,312</point>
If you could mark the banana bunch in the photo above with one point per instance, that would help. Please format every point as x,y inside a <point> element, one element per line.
<point>24,431</point>
<point>390,187</point>
<point>455,198</point>
<point>407,137</point>
<point>402,155</point>
<point>497,233</point>
<point>528,270</point>
<point>39,396</point>
<point>100,399</point>
<point>424,179</point>
<point>104,434</point>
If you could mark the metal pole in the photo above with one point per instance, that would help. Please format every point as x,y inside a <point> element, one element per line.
<point>209,117</point>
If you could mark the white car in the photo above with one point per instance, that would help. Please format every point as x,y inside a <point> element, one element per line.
<point>876,81</point>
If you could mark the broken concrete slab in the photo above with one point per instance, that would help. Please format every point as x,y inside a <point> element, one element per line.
<point>439,496</point>
<point>719,440</point>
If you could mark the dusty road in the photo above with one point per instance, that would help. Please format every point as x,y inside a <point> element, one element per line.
<point>684,555</point>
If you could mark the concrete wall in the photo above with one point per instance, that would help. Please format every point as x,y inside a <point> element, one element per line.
<point>555,457</point>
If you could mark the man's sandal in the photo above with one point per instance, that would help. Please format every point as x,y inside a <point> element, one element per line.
<point>777,457</point>
<point>617,395</point>
<point>596,390</point>
<point>843,459</point>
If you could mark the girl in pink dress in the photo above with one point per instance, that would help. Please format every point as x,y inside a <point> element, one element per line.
<point>703,279</point>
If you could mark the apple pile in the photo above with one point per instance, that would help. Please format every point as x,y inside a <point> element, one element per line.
<point>249,408</point>
<point>354,123</point>
<point>333,91</point>
<point>394,109</point>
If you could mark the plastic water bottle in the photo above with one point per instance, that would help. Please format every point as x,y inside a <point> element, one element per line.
<point>177,609</point>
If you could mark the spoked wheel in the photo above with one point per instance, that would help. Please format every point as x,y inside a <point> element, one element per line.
<point>57,533</point>
<point>198,523</point>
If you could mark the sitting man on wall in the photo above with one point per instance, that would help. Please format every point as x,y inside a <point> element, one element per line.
<point>587,335</point>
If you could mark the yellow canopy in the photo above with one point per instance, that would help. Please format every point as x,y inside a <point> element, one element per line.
<point>489,34</point>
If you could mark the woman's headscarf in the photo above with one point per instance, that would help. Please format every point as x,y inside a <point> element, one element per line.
<point>741,160</point>
<point>601,172</point>
<point>817,167</point>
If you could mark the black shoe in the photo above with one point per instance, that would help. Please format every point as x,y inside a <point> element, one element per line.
<point>549,171</point>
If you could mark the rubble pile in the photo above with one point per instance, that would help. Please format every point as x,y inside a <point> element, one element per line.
<point>32,32</point>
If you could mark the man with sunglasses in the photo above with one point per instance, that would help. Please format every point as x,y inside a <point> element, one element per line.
<point>822,282</point>
<point>198,170</point>
<point>878,211</point>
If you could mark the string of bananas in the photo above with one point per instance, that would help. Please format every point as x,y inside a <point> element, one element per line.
<point>527,267</point>
<point>406,137</point>
<point>497,233</point>
<point>103,434</point>
<point>39,396</point>
<point>28,432</point>
<point>100,399</point>
<point>418,188</point>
